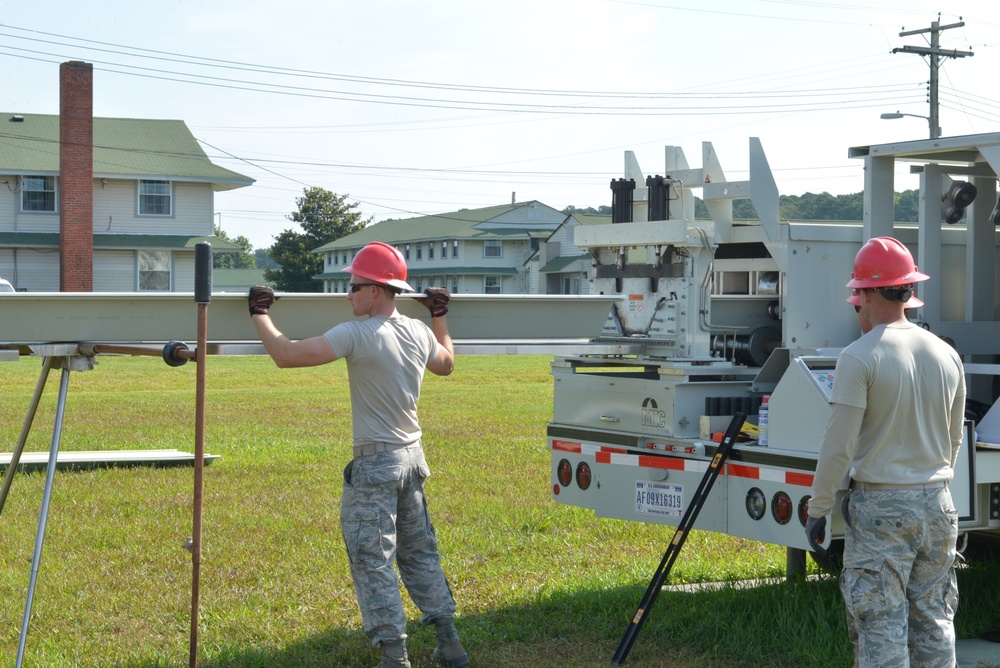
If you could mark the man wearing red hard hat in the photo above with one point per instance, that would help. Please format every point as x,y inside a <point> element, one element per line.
<point>383,514</point>
<point>898,410</point>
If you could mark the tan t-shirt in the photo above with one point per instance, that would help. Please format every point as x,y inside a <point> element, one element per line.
<point>386,358</point>
<point>899,408</point>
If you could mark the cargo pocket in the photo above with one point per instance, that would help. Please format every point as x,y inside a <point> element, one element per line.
<point>864,590</point>
<point>367,514</point>
<point>362,533</point>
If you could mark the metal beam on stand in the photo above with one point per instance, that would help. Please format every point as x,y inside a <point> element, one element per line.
<point>40,324</point>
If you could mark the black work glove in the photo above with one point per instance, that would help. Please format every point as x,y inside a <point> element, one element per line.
<point>436,300</point>
<point>260,299</point>
<point>815,533</point>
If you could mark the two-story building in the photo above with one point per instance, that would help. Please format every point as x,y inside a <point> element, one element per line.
<point>153,190</point>
<point>493,250</point>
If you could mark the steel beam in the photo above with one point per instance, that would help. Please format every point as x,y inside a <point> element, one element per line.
<point>50,317</point>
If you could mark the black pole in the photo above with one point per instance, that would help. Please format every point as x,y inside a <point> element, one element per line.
<point>202,295</point>
<point>687,522</point>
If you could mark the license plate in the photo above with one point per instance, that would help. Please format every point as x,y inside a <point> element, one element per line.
<point>659,498</point>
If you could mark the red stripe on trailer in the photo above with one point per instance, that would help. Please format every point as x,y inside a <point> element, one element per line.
<point>620,451</point>
<point>772,475</point>
<point>566,446</point>
<point>803,479</point>
<point>741,471</point>
<point>661,462</point>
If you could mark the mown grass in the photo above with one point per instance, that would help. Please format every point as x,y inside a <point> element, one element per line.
<point>537,584</point>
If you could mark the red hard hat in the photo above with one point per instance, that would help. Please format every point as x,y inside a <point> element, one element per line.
<point>884,262</point>
<point>381,263</point>
<point>912,302</point>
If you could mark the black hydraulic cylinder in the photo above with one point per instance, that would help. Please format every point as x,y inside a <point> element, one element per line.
<point>659,197</point>
<point>621,200</point>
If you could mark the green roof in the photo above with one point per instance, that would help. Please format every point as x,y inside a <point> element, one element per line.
<point>455,225</point>
<point>439,271</point>
<point>109,241</point>
<point>123,148</point>
<point>593,218</point>
<point>560,263</point>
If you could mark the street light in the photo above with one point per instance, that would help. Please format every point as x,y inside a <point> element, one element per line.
<point>935,132</point>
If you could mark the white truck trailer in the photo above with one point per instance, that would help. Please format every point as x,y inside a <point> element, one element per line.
<point>718,315</point>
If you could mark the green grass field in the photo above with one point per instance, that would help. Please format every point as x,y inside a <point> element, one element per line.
<point>537,584</point>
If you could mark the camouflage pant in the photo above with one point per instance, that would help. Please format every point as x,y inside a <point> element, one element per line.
<point>899,577</point>
<point>384,519</point>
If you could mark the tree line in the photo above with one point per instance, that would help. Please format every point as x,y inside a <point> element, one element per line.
<point>810,206</point>
<point>289,264</point>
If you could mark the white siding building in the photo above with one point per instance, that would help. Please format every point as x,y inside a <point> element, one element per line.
<point>153,201</point>
<point>494,250</point>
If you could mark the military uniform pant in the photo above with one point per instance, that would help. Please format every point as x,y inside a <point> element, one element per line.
<point>384,520</point>
<point>898,580</point>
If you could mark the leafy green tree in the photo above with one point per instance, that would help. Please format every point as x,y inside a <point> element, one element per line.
<point>821,206</point>
<point>263,257</point>
<point>907,206</point>
<point>234,260</point>
<point>324,217</point>
<point>603,210</point>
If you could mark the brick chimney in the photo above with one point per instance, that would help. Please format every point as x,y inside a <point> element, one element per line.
<point>76,177</point>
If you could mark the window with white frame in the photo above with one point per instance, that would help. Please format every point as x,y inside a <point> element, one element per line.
<point>154,270</point>
<point>420,251</point>
<point>155,198</point>
<point>454,285</point>
<point>430,250</point>
<point>38,193</point>
<point>492,285</point>
<point>454,248</point>
<point>406,252</point>
<point>492,248</point>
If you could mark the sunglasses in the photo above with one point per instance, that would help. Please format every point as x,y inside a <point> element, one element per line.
<point>357,286</point>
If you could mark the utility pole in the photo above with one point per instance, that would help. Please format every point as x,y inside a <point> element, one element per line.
<point>935,52</point>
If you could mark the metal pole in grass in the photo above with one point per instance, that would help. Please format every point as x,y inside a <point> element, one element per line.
<point>43,514</point>
<point>25,430</point>
<point>203,296</point>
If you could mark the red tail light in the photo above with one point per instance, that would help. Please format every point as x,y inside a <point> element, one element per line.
<point>565,472</point>
<point>781,508</point>
<point>804,509</point>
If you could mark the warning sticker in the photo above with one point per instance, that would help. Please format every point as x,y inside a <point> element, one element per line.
<point>659,498</point>
<point>635,302</point>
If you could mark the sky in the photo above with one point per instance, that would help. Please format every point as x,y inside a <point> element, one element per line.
<point>413,108</point>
